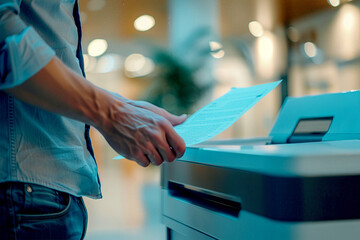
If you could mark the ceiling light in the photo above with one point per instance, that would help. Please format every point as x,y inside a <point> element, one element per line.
<point>144,23</point>
<point>256,29</point>
<point>310,49</point>
<point>334,3</point>
<point>137,65</point>
<point>218,54</point>
<point>97,47</point>
<point>215,46</point>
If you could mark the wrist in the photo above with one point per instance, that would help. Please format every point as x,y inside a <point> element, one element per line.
<point>104,108</point>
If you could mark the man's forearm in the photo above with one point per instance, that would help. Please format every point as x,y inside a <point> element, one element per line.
<point>58,89</point>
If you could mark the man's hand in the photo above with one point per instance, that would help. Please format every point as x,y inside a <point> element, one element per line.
<point>141,134</point>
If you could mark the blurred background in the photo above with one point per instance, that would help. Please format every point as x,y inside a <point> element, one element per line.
<point>181,54</point>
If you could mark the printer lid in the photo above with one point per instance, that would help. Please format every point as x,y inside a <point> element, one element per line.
<point>326,117</point>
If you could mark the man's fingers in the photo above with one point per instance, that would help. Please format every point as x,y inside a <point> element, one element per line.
<point>176,143</point>
<point>176,120</point>
<point>142,160</point>
<point>173,119</point>
<point>154,156</point>
<point>167,153</point>
<point>161,143</point>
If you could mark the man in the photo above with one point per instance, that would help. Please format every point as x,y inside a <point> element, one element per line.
<point>46,159</point>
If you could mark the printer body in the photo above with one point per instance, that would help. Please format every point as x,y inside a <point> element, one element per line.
<point>300,182</point>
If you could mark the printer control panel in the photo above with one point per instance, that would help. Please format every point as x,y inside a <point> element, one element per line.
<point>310,130</point>
<point>326,117</point>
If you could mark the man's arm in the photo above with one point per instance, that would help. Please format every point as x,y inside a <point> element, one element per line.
<point>136,130</point>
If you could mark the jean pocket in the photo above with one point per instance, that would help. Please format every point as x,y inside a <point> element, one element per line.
<point>43,203</point>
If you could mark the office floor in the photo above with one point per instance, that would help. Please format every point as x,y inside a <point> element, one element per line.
<point>130,208</point>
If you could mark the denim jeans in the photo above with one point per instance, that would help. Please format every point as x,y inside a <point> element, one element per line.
<point>29,211</point>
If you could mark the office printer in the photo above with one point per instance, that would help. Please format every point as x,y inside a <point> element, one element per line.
<point>301,182</point>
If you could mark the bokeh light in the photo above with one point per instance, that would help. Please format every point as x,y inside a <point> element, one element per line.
<point>97,47</point>
<point>218,54</point>
<point>310,49</point>
<point>334,3</point>
<point>256,29</point>
<point>137,65</point>
<point>144,23</point>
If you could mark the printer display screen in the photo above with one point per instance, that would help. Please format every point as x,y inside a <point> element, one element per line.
<point>313,126</point>
<point>310,130</point>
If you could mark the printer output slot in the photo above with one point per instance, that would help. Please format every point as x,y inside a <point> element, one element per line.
<point>199,197</point>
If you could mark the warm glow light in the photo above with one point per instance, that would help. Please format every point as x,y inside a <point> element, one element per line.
<point>344,33</point>
<point>265,60</point>
<point>310,49</point>
<point>137,65</point>
<point>349,20</point>
<point>97,47</point>
<point>215,46</point>
<point>134,62</point>
<point>218,54</point>
<point>89,63</point>
<point>108,63</point>
<point>266,47</point>
<point>334,3</point>
<point>144,23</point>
<point>86,60</point>
<point>256,29</point>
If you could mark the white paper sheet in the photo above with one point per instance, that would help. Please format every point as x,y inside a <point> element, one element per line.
<point>221,113</point>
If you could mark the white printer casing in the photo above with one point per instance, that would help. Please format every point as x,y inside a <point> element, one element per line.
<point>301,182</point>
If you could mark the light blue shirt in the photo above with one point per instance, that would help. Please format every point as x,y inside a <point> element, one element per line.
<point>37,146</point>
